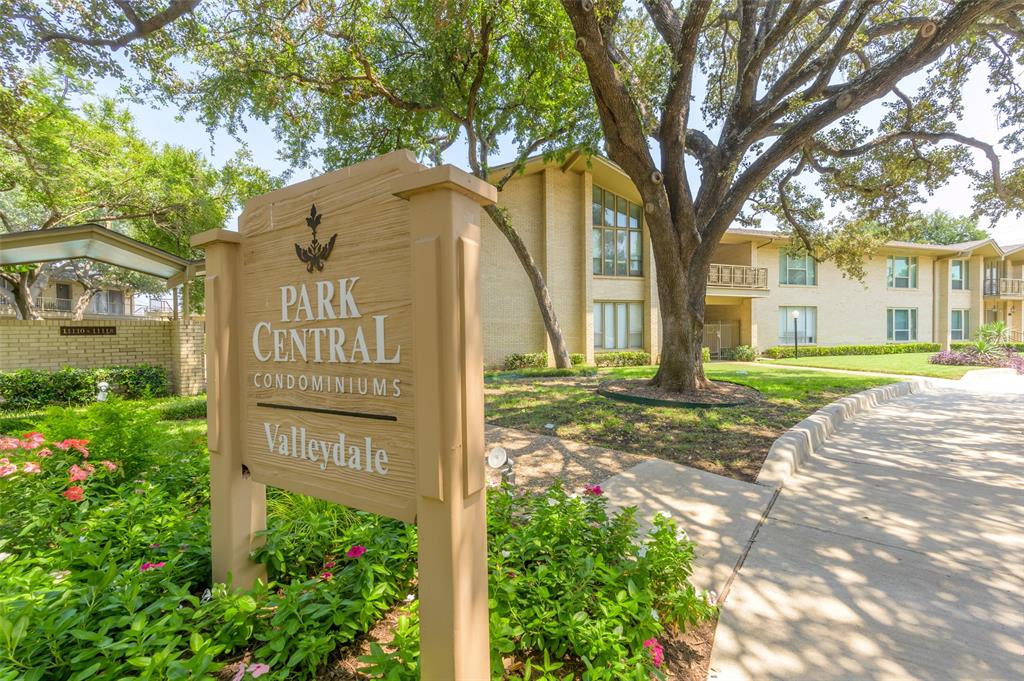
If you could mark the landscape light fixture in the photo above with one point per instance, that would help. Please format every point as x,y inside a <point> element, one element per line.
<point>796,341</point>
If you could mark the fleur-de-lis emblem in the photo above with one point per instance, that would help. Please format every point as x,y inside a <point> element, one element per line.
<point>316,254</point>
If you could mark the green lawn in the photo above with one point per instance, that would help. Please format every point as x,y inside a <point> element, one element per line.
<point>731,441</point>
<point>912,363</point>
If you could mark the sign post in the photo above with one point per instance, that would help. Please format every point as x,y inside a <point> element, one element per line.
<point>345,362</point>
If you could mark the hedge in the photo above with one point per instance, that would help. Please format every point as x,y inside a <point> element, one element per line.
<point>785,351</point>
<point>33,388</point>
<point>535,360</point>
<point>630,358</point>
<point>966,345</point>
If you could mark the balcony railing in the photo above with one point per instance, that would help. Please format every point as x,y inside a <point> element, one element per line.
<point>1013,288</point>
<point>64,307</point>
<point>738,276</point>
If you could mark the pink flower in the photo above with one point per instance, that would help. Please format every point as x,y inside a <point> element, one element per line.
<point>43,453</point>
<point>77,473</point>
<point>9,443</point>
<point>355,551</point>
<point>329,564</point>
<point>594,490</point>
<point>151,566</point>
<point>30,467</point>
<point>257,670</point>
<point>8,469</point>
<point>326,576</point>
<point>74,493</point>
<point>109,465</point>
<point>78,445</point>
<point>656,651</point>
<point>32,440</point>
<point>154,545</point>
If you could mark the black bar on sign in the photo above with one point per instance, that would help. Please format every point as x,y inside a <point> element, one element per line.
<point>333,412</point>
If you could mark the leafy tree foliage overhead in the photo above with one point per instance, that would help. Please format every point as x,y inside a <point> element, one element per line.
<point>65,162</point>
<point>341,81</point>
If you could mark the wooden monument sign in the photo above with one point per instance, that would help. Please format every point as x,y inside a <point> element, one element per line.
<point>345,362</point>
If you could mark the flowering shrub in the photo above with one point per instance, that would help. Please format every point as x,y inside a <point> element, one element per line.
<point>105,572</point>
<point>978,357</point>
<point>572,590</point>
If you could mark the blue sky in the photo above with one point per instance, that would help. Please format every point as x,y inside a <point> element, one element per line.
<point>166,125</point>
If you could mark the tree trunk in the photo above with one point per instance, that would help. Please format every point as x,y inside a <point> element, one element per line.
<point>540,287</point>
<point>23,297</point>
<point>682,287</point>
<point>83,303</point>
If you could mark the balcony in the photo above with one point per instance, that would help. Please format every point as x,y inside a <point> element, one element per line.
<point>739,279</point>
<point>1005,288</point>
<point>62,308</point>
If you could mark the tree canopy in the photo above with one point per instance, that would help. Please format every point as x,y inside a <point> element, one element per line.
<point>342,81</point>
<point>67,158</point>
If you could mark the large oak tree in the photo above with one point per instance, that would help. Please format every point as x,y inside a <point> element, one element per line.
<point>784,86</point>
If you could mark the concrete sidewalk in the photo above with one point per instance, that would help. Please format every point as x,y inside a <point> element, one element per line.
<point>897,553</point>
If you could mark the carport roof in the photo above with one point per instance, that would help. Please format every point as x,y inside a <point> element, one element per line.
<point>96,243</point>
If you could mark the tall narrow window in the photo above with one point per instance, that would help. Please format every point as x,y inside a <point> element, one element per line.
<point>959,274</point>
<point>64,297</point>
<point>618,326</point>
<point>797,269</point>
<point>617,244</point>
<point>959,326</point>
<point>901,324</point>
<point>901,271</point>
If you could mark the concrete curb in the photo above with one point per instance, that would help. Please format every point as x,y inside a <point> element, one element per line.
<point>798,444</point>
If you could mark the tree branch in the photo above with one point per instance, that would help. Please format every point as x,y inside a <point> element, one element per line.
<point>142,27</point>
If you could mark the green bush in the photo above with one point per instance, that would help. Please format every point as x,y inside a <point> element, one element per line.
<point>528,360</point>
<point>32,388</point>
<point>536,360</point>
<point>705,354</point>
<point>968,345</point>
<point>569,581</point>
<point>630,358</point>
<point>182,408</point>
<point>107,576</point>
<point>741,353</point>
<point>781,351</point>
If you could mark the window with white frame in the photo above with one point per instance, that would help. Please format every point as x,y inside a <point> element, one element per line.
<point>797,269</point>
<point>959,324</point>
<point>902,271</point>
<point>804,328</point>
<point>618,326</point>
<point>901,324</point>
<point>960,274</point>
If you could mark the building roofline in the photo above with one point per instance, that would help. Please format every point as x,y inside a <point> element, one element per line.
<point>91,241</point>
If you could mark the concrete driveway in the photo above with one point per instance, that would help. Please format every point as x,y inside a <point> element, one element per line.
<point>897,553</point>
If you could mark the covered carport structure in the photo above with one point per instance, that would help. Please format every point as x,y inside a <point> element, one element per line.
<point>177,345</point>
<point>96,242</point>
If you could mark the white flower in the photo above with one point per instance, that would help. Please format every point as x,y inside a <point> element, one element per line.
<point>410,598</point>
<point>505,554</point>
<point>552,501</point>
<point>642,552</point>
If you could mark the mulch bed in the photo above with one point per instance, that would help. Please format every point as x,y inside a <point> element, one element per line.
<point>718,394</point>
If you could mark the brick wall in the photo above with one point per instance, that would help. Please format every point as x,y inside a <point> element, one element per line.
<point>177,346</point>
<point>188,356</point>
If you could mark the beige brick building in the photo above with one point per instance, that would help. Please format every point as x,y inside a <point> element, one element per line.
<point>583,224</point>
